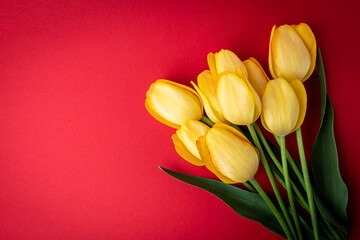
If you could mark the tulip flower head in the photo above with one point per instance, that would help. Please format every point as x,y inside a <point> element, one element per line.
<point>173,103</point>
<point>185,140</point>
<point>226,92</point>
<point>292,52</point>
<point>284,106</point>
<point>228,154</point>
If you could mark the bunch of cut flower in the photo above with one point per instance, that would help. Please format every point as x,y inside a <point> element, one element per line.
<point>229,142</point>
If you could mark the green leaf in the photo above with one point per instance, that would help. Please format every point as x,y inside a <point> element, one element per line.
<point>327,214</point>
<point>322,82</point>
<point>247,204</point>
<point>331,192</point>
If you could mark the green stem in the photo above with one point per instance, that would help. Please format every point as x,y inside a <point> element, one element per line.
<point>206,120</point>
<point>307,184</point>
<point>293,164</point>
<point>335,235</point>
<point>280,168</point>
<point>288,186</point>
<point>332,230</point>
<point>273,157</point>
<point>267,147</point>
<point>326,231</point>
<point>298,196</point>
<point>271,178</point>
<point>271,206</point>
<point>248,185</point>
<point>279,176</point>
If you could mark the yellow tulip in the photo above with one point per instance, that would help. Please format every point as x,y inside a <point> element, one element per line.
<point>224,61</point>
<point>238,101</point>
<point>172,103</point>
<point>284,106</point>
<point>256,76</point>
<point>292,52</point>
<point>228,154</point>
<point>207,90</point>
<point>225,90</point>
<point>185,140</point>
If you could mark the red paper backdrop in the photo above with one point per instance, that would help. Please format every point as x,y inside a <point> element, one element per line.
<point>79,154</point>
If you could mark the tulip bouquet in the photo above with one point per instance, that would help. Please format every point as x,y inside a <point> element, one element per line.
<point>228,141</point>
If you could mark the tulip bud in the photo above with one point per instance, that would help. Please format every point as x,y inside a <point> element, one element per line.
<point>172,103</point>
<point>185,140</point>
<point>239,102</point>
<point>207,90</point>
<point>257,76</point>
<point>228,154</point>
<point>284,106</point>
<point>292,52</point>
<point>224,61</point>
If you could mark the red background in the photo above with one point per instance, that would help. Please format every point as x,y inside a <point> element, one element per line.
<point>79,154</point>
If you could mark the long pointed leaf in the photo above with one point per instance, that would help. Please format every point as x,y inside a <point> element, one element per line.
<point>322,83</point>
<point>331,190</point>
<point>247,204</point>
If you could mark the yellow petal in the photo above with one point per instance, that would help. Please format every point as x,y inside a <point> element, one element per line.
<point>208,108</point>
<point>280,107</point>
<point>232,157</point>
<point>189,133</point>
<point>204,152</point>
<point>271,65</point>
<point>302,98</point>
<point>207,92</point>
<point>232,130</point>
<point>184,152</point>
<point>235,99</point>
<point>263,122</point>
<point>290,56</point>
<point>150,109</point>
<point>257,99</point>
<point>207,84</point>
<point>257,76</point>
<point>240,72</point>
<point>173,102</point>
<point>227,61</point>
<point>235,132</point>
<point>309,39</point>
<point>212,64</point>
